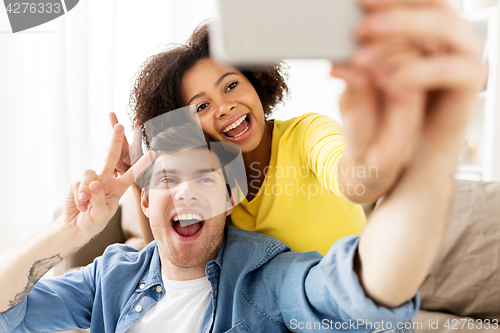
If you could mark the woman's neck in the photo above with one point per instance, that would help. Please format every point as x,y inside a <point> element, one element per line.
<point>257,160</point>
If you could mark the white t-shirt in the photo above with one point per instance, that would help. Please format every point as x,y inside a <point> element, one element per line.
<point>180,310</point>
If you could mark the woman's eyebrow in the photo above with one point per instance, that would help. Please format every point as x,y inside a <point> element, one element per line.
<point>216,85</point>
<point>195,97</point>
<point>222,78</point>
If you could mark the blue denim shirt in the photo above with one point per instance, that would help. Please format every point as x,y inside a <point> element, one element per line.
<point>258,285</point>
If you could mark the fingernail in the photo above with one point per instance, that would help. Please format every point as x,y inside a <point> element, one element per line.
<point>96,189</point>
<point>83,195</point>
<point>83,208</point>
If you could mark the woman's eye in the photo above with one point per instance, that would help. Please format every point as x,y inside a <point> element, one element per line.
<point>201,107</point>
<point>231,86</point>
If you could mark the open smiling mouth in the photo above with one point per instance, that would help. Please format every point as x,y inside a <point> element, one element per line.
<point>238,128</point>
<point>187,225</point>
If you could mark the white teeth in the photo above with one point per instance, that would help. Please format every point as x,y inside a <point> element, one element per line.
<point>188,217</point>
<point>235,124</point>
<point>237,135</point>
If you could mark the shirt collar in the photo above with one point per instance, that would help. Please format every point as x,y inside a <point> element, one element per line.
<point>152,276</point>
<point>216,262</point>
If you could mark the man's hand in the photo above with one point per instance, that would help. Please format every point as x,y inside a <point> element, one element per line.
<point>130,154</point>
<point>410,91</point>
<point>93,200</point>
<point>415,77</point>
<point>84,216</point>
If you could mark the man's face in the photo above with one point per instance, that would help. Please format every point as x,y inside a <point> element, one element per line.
<point>185,189</point>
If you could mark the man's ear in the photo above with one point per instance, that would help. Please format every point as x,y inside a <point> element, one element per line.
<point>230,203</point>
<point>144,203</point>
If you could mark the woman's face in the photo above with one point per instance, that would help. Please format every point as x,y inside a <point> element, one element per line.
<point>226,102</point>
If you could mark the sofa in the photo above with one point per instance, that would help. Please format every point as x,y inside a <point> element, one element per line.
<point>461,292</point>
<point>463,286</point>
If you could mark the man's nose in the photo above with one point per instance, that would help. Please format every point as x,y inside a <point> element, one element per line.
<point>186,191</point>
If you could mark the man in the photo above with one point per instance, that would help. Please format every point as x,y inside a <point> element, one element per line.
<point>206,277</point>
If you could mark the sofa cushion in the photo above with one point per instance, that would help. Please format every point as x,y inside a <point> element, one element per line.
<point>465,278</point>
<point>439,322</point>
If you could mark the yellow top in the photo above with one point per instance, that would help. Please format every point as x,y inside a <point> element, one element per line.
<point>297,203</point>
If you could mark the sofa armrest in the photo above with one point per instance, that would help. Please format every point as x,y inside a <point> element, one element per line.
<point>465,277</point>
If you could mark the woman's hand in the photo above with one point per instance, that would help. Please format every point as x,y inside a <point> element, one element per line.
<point>93,200</point>
<point>129,153</point>
<point>414,77</point>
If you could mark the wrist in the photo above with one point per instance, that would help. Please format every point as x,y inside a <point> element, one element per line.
<point>443,159</point>
<point>374,179</point>
<point>68,238</point>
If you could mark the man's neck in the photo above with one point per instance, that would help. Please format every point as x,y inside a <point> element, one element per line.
<point>176,273</point>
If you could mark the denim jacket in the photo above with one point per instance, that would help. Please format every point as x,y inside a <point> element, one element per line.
<point>258,285</point>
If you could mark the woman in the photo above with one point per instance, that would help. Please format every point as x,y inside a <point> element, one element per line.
<point>300,174</point>
<point>286,174</point>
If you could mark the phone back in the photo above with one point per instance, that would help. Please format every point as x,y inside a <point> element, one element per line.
<point>252,32</point>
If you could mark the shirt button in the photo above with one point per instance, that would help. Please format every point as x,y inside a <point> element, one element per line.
<point>142,286</point>
<point>158,289</point>
<point>138,308</point>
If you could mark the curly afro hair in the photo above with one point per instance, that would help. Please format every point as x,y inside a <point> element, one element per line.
<point>157,86</point>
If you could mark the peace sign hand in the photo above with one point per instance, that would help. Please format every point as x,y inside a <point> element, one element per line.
<point>93,200</point>
<point>129,153</point>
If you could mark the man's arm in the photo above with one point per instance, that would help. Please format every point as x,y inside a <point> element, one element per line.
<point>440,69</point>
<point>389,261</point>
<point>404,234</point>
<point>82,219</point>
<point>23,266</point>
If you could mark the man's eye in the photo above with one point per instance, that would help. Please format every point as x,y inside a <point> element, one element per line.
<point>207,180</point>
<point>201,107</point>
<point>167,180</point>
<point>231,86</point>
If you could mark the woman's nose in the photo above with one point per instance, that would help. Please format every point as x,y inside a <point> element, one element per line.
<point>225,108</point>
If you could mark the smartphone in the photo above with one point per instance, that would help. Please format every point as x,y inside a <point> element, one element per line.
<point>257,32</point>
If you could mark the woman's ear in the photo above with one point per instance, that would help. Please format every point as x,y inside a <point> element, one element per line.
<point>145,202</point>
